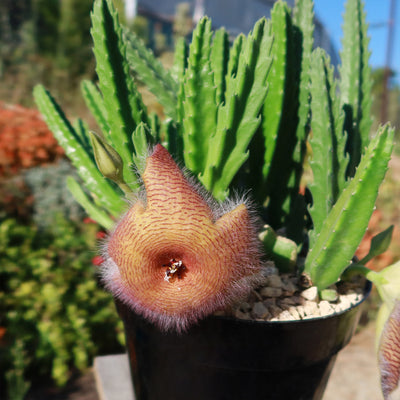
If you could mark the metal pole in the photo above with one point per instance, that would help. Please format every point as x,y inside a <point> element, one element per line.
<point>389,52</point>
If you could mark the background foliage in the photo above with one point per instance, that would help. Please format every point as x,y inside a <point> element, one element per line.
<point>54,316</point>
<point>25,140</point>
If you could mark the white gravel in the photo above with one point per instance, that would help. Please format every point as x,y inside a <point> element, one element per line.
<point>282,298</point>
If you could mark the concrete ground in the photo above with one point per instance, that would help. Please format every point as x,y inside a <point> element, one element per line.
<point>355,375</point>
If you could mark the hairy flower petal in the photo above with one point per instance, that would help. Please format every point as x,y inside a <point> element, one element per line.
<point>389,354</point>
<point>171,259</point>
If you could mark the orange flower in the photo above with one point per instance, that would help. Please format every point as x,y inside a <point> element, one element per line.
<point>176,257</point>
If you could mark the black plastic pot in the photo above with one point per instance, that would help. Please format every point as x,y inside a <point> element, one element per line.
<point>226,358</point>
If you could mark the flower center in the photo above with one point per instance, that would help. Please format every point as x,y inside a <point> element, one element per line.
<point>174,270</point>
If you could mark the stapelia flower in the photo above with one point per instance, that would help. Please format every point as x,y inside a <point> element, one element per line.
<point>177,257</point>
<point>389,355</point>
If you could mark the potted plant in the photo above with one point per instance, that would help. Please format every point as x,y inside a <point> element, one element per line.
<point>185,247</point>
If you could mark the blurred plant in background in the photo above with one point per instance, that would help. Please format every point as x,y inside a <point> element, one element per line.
<point>49,41</point>
<point>43,40</point>
<point>53,316</point>
<point>25,140</point>
<point>388,210</point>
<point>183,23</point>
<point>15,199</point>
<point>51,196</point>
<point>393,102</point>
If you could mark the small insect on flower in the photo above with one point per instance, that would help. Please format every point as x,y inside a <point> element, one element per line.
<point>178,256</point>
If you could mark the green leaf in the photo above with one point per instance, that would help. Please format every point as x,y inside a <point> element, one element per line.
<point>88,205</point>
<point>152,73</point>
<point>75,150</point>
<point>379,244</point>
<point>387,281</point>
<point>346,223</point>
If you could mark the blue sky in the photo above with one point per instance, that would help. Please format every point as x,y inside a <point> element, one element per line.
<point>330,14</point>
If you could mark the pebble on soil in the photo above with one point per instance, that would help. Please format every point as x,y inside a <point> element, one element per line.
<point>282,297</point>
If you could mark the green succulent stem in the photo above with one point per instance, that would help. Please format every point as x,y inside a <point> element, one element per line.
<point>150,70</point>
<point>219,62</point>
<point>123,105</point>
<point>327,141</point>
<point>355,82</point>
<point>199,104</point>
<point>281,250</point>
<point>94,102</point>
<point>279,126</point>
<point>180,60</point>
<point>94,212</point>
<point>346,223</point>
<point>238,118</point>
<point>76,150</point>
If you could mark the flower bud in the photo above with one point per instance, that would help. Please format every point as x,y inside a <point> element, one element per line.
<point>107,159</point>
